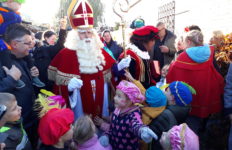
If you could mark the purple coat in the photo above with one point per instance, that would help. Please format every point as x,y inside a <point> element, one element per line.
<point>93,144</point>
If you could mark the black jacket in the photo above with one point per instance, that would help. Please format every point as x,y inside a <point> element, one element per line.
<point>171,116</point>
<point>43,56</point>
<point>6,81</point>
<point>15,136</point>
<point>25,96</point>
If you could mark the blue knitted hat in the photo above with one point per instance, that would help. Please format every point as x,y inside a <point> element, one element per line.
<point>155,97</point>
<point>181,92</point>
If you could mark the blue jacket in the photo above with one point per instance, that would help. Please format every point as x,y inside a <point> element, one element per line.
<point>25,96</point>
<point>228,92</point>
<point>115,48</point>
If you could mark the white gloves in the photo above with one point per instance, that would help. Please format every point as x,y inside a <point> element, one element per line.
<point>74,83</point>
<point>104,140</point>
<point>147,134</point>
<point>124,63</point>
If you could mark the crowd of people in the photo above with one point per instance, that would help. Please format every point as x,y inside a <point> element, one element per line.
<point>83,91</point>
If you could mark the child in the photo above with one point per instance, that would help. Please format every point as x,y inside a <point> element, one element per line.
<point>179,96</point>
<point>8,16</point>
<point>164,72</point>
<point>126,126</point>
<point>15,136</point>
<point>55,126</point>
<point>85,135</point>
<point>180,138</point>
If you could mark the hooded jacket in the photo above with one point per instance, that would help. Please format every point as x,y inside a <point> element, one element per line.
<point>195,67</point>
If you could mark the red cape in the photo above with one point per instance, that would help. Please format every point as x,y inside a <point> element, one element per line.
<point>65,66</point>
<point>204,78</point>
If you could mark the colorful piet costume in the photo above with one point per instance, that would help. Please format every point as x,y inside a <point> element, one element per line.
<point>7,17</point>
<point>55,120</point>
<point>90,67</point>
<point>141,68</point>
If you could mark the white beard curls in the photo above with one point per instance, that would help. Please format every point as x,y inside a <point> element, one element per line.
<point>90,57</point>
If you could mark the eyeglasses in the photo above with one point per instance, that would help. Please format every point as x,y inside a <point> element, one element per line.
<point>25,43</point>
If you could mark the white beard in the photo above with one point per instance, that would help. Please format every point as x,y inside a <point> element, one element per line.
<point>90,57</point>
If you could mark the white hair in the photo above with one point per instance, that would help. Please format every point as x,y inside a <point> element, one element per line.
<point>90,57</point>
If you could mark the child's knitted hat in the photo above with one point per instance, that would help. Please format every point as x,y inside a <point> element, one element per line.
<point>182,92</point>
<point>155,97</point>
<point>183,138</point>
<point>54,124</point>
<point>131,90</point>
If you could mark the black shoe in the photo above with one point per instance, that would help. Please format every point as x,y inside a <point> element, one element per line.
<point>20,84</point>
<point>36,82</point>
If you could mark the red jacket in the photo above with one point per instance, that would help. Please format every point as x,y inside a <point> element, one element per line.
<point>204,78</point>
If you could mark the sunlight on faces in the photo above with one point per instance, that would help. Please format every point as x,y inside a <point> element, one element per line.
<point>165,140</point>
<point>51,40</point>
<point>107,37</point>
<point>121,101</point>
<point>13,111</point>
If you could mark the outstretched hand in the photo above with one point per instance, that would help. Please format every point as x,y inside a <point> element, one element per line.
<point>147,134</point>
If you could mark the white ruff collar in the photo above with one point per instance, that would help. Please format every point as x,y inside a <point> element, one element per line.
<point>142,54</point>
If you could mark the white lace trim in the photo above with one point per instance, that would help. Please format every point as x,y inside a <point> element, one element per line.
<point>142,54</point>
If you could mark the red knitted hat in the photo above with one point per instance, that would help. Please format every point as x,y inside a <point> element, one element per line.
<point>80,14</point>
<point>145,30</point>
<point>54,124</point>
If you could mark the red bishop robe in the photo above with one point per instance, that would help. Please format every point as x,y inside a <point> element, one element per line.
<point>204,78</point>
<point>65,66</point>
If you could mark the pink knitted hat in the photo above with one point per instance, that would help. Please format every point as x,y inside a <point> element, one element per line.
<point>131,90</point>
<point>183,138</point>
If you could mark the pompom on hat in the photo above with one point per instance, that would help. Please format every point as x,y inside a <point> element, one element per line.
<point>80,14</point>
<point>155,97</point>
<point>183,138</point>
<point>182,92</point>
<point>131,91</point>
<point>54,124</point>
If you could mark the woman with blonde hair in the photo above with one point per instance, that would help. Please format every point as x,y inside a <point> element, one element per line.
<point>195,67</point>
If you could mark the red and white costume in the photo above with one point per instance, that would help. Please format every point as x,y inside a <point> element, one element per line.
<point>90,63</point>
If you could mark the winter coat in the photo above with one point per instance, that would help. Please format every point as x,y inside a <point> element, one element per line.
<point>25,96</point>
<point>16,136</point>
<point>165,58</point>
<point>6,81</point>
<point>195,67</point>
<point>93,144</point>
<point>228,92</point>
<point>172,115</point>
<point>43,56</point>
<point>115,48</point>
